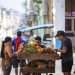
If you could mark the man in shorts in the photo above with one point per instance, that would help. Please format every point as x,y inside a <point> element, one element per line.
<point>66,53</point>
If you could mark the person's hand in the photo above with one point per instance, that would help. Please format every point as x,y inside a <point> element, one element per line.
<point>62,50</point>
<point>15,54</point>
<point>52,46</point>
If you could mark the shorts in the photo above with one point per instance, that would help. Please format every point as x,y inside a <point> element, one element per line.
<point>15,62</point>
<point>67,66</point>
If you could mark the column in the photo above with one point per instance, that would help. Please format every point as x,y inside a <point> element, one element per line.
<point>59,15</point>
<point>30,7</point>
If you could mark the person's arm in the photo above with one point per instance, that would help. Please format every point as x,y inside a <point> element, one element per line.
<point>64,50</point>
<point>9,51</point>
<point>65,46</point>
<point>20,48</point>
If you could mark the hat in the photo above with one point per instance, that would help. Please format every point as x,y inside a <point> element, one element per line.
<point>60,33</point>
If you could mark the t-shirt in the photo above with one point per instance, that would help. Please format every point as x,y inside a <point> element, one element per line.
<point>16,42</point>
<point>58,44</point>
<point>69,53</point>
<point>25,39</point>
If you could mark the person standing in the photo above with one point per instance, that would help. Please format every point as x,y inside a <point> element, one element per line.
<point>7,55</point>
<point>66,53</point>
<point>26,36</point>
<point>38,41</point>
<point>16,44</point>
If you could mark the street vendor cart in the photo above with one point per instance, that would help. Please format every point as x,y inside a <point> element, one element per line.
<point>39,62</point>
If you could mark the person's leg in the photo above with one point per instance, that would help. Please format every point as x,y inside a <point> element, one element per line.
<point>66,68</point>
<point>7,70</point>
<point>22,64</point>
<point>16,68</point>
<point>15,65</point>
<point>20,72</point>
<point>16,71</point>
<point>67,73</point>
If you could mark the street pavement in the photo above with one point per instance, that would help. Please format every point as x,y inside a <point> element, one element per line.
<point>57,69</point>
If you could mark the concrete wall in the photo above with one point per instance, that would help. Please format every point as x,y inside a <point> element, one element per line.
<point>59,14</point>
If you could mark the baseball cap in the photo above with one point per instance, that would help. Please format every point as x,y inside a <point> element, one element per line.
<point>60,33</point>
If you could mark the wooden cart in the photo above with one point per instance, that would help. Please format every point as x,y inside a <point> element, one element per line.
<point>39,62</point>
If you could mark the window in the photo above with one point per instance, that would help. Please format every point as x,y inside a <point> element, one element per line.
<point>68,26</point>
<point>70,34</point>
<point>70,7</point>
<point>74,24</point>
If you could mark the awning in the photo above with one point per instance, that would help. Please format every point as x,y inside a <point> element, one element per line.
<point>25,29</point>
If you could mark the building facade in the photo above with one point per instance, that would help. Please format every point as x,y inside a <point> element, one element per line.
<point>9,22</point>
<point>48,12</point>
<point>70,16</point>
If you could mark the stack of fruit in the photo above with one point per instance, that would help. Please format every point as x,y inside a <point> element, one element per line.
<point>32,47</point>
